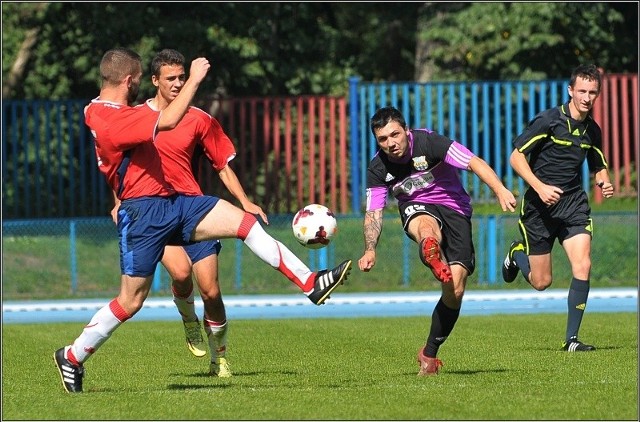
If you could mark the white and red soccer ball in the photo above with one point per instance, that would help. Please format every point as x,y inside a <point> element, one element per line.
<point>314,226</point>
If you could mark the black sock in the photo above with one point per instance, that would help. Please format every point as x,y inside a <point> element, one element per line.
<point>442,321</point>
<point>576,302</point>
<point>522,260</point>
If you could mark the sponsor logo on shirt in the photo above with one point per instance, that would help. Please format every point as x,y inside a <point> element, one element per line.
<point>413,183</point>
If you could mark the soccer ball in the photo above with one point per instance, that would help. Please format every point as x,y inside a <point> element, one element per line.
<point>314,226</point>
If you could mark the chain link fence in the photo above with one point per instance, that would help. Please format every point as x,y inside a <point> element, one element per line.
<point>79,258</point>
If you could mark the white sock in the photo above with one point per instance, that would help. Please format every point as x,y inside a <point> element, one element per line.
<point>279,257</point>
<point>99,329</point>
<point>217,336</point>
<point>186,306</point>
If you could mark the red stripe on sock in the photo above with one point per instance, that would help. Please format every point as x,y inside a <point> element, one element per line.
<point>308,285</point>
<point>118,311</point>
<point>214,323</point>
<point>305,286</point>
<point>71,357</point>
<point>245,226</point>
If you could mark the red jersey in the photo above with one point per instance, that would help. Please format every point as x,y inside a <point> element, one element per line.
<point>125,150</point>
<point>177,147</point>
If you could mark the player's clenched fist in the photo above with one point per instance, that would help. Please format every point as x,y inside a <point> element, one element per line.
<point>367,261</point>
<point>199,69</point>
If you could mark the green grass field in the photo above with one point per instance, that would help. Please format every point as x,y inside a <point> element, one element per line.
<point>499,367</point>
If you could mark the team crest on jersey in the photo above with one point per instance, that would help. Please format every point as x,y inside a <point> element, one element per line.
<point>420,163</point>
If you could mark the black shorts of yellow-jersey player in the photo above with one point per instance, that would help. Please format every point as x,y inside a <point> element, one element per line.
<point>541,225</point>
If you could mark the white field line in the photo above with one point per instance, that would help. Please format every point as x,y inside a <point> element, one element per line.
<point>337,299</point>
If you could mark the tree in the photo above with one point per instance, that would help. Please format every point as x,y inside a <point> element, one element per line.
<point>256,48</point>
<point>506,41</point>
<point>29,19</point>
<point>52,50</point>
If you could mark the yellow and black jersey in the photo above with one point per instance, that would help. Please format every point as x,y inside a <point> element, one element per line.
<point>556,146</point>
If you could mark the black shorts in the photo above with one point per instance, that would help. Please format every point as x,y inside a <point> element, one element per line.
<point>541,225</point>
<point>457,240</point>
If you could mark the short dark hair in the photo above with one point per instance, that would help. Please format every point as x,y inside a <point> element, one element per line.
<point>118,63</point>
<point>166,57</point>
<point>383,116</point>
<point>586,71</point>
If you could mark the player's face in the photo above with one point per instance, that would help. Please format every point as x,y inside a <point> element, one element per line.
<point>393,140</point>
<point>170,81</point>
<point>583,94</point>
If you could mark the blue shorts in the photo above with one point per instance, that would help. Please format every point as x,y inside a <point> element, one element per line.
<point>147,224</point>
<point>200,250</point>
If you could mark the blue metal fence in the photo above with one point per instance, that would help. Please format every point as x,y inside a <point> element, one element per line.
<point>483,116</point>
<point>48,161</point>
<point>49,167</point>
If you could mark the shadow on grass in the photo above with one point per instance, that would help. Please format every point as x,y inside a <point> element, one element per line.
<point>465,372</point>
<point>205,374</point>
<point>196,386</point>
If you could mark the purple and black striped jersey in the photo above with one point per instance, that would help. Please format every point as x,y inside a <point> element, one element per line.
<point>429,174</point>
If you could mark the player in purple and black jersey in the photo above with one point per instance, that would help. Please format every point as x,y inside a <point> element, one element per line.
<point>420,169</point>
<point>548,155</point>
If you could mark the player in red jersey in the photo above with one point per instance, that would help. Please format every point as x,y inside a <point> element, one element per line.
<point>151,215</point>
<point>197,135</point>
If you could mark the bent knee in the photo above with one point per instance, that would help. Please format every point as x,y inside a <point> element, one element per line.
<point>541,283</point>
<point>131,306</point>
<point>183,279</point>
<point>212,295</point>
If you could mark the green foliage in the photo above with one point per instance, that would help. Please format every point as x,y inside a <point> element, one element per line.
<point>311,48</point>
<point>333,369</point>
<point>525,41</point>
<point>255,48</point>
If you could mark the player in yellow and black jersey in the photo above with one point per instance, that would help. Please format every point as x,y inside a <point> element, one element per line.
<point>549,155</point>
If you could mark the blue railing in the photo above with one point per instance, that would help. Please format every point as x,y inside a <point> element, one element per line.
<point>68,240</point>
<point>49,169</point>
<point>483,116</point>
<point>48,162</point>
